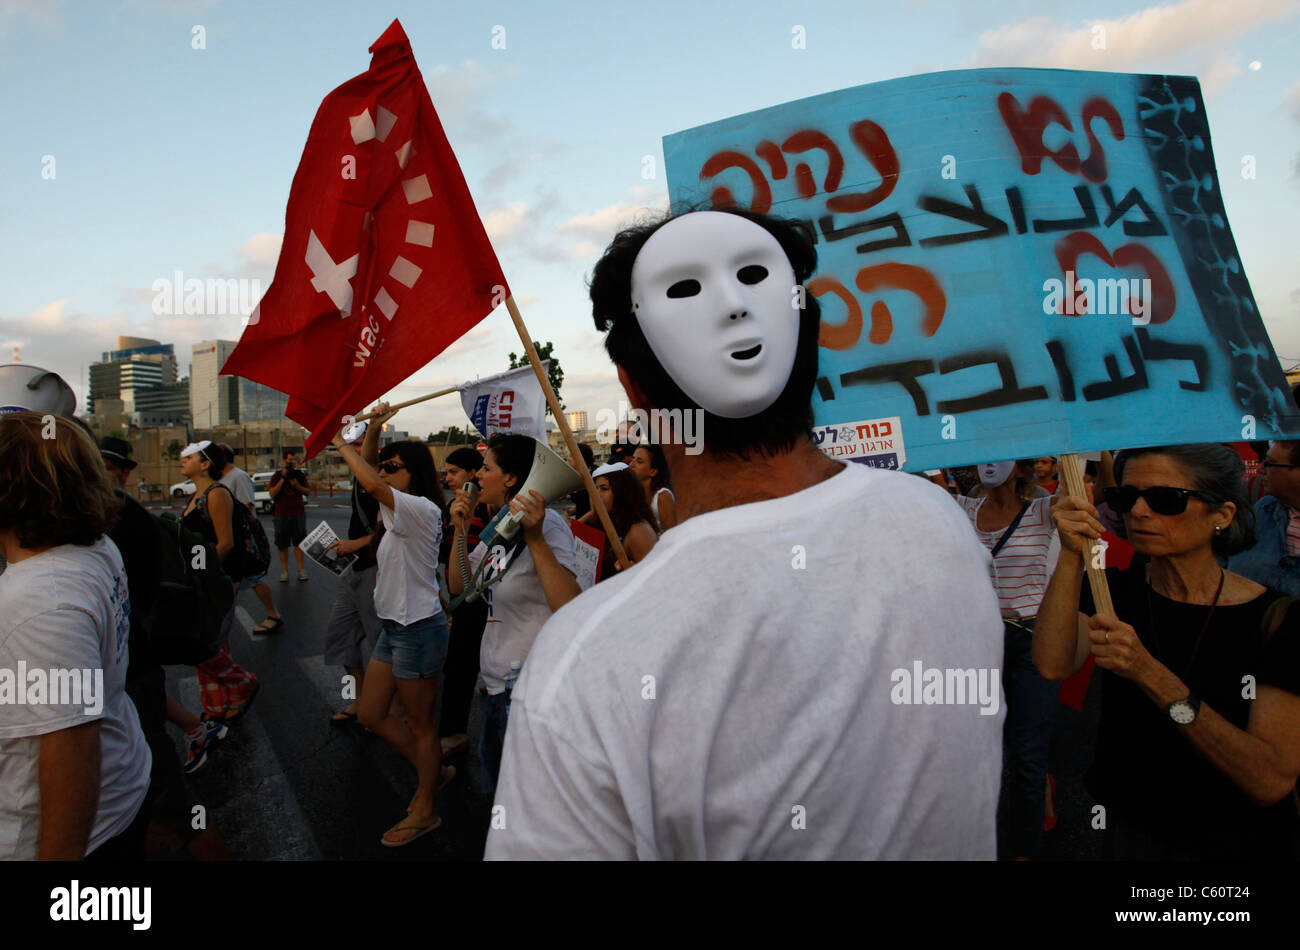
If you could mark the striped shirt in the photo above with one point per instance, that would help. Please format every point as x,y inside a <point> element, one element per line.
<point>1292,531</point>
<point>1023,567</point>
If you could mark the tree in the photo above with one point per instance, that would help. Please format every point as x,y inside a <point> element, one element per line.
<point>555,374</point>
<point>454,435</point>
<point>174,450</point>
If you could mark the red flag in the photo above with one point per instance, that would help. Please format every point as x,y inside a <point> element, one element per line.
<point>385,262</point>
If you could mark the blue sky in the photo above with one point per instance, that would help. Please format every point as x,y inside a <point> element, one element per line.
<point>170,158</point>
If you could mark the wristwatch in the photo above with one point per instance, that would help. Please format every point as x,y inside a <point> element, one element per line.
<point>1184,711</point>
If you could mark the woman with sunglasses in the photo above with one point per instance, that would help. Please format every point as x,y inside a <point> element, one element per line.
<point>413,635</point>
<point>1014,521</point>
<point>1198,746</point>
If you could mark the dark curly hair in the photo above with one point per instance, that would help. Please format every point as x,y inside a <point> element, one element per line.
<point>53,490</point>
<point>630,505</point>
<point>1216,470</point>
<point>777,428</point>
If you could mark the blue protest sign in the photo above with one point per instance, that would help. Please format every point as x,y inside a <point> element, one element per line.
<point>1011,263</point>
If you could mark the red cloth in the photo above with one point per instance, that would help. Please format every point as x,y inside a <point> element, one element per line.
<point>225,688</point>
<point>385,262</point>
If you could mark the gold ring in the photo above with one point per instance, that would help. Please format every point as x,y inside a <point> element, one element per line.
<point>1108,636</point>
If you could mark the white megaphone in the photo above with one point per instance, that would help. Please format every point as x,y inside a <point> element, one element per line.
<point>24,386</point>
<point>550,477</point>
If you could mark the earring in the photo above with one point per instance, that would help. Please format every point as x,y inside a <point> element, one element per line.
<point>1218,529</point>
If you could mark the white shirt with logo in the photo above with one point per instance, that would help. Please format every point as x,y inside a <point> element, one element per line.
<point>67,609</point>
<point>517,603</point>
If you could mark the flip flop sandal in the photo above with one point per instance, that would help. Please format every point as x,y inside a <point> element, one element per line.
<point>448,773</point>
<point>421,831</point>
<point>275,622</point>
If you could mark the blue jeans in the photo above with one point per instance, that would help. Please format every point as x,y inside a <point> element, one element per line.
<point>1026,738</point>
<point>493,739</point>
<point>416,651</point>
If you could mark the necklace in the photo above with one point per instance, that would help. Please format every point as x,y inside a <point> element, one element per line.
<point>1196,648</point>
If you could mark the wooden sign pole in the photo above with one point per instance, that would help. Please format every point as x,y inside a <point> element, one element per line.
<point>1072,475</point>
<point>569,440</point>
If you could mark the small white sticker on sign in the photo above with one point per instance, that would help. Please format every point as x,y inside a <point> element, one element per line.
<point>874,442</point>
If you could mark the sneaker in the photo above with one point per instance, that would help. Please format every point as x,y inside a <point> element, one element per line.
<point>302,575</point>
<point>210,733</point>
<point>284,577</point>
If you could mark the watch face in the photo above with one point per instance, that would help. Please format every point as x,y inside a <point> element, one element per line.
<point>1182,712</point>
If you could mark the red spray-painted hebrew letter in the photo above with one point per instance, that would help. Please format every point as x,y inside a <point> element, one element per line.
<point>806,141</point>
<point>722,196</point>
<point>909,277</point>
<point>872,141</point>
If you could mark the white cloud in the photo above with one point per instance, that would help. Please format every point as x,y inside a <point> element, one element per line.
<point>504,224</point>
<point>261,250</point>
<point>1145,41</point>
<point>601,225</point>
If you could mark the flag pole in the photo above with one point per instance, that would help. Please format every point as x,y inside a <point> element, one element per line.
<point>554,403</point>
<point>1072,475</point>
<point>410,402</point>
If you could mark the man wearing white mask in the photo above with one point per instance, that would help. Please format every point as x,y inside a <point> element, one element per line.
<point>1013,519</point>
<point>752,713</point>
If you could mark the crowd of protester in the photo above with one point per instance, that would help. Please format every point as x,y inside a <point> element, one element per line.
<point>1198,742</point>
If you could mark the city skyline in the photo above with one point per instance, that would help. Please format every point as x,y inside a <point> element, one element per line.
<point>191,184</point>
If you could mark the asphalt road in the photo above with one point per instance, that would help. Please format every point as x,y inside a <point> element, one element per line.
<point>288,785</point>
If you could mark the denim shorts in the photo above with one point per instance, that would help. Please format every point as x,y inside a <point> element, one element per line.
<point>416,651</point>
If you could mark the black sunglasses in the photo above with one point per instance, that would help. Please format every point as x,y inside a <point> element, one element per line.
<point>1160,499</point>
<point>391,468</point>
<point>1270,464</point>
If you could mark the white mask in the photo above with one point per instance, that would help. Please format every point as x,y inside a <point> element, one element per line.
<point>993,474</point>
<point>708,286</point>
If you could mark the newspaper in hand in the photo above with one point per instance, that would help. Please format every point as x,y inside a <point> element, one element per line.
<point>319,546</point>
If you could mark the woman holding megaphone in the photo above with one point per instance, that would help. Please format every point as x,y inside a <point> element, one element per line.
<point>523,583</point>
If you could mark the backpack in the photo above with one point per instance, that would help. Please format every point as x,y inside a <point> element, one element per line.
<point>191,602</point>
<point>251,554</point>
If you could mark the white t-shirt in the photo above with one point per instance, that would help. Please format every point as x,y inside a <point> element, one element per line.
<point>67,609</point>
<point>406,587</point>
<point>654,507</point>
<point>240,485</point>
<point>517,605</point>
<point>1024,565</point>
<point>733,694</point>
